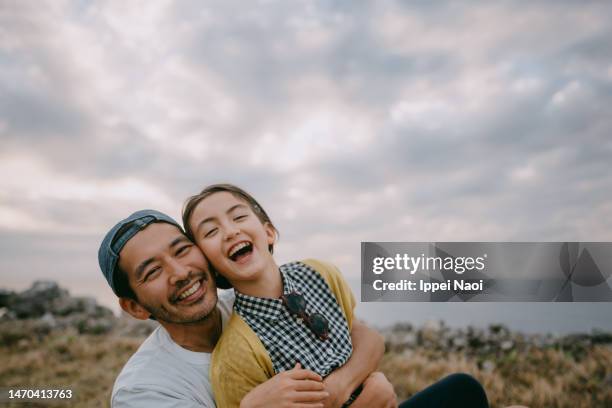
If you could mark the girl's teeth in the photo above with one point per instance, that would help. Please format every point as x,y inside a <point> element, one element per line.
<point>237,248</point>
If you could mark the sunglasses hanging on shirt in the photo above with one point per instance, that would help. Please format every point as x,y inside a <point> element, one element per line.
<point>316,322</point>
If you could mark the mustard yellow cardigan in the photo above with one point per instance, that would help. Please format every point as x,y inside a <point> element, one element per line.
<point>240,361</point>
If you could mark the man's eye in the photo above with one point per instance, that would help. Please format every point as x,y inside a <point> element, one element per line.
<point>183,249</point>
<point>210,233</point>
<point>152,273</point>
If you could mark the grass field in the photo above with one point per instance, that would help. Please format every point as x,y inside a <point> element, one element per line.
<point>545,377</point>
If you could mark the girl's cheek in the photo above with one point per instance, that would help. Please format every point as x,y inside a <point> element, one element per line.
<point>208,250</point>
<point>202,247</point>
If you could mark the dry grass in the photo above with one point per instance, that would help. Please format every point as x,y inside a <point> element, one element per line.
<point>85,363</point>
<point>548,378</point>
<point>538,378</point>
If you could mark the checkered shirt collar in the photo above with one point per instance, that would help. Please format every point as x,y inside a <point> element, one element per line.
<point>265,308</point>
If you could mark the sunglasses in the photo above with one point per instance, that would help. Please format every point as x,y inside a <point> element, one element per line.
<point>316,322</point>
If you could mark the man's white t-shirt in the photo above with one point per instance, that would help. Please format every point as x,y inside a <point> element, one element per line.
<point>163,374</point>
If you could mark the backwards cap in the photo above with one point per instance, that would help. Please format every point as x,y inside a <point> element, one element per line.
<point>120,234</point>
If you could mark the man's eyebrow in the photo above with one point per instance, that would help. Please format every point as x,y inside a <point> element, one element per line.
<point>232,208</point>
<point>179,240</point>
<point>141,268</point>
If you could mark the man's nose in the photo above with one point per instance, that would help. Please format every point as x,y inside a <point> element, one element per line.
<point>178,272</point>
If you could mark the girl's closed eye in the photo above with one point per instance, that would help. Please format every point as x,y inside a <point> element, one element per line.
<point>240,217</point>
<point>210,233</point>
<point>183,250</point>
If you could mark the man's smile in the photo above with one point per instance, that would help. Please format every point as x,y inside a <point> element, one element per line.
<point>191,293</point>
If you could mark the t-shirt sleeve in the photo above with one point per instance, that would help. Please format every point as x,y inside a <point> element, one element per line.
<point>338,285</point>
<point>238,365</point>
<point>143,397</point>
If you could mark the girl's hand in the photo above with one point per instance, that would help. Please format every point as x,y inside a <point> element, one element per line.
<point>295,388</point>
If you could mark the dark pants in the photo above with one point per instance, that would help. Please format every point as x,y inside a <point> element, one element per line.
<point>455,391</point>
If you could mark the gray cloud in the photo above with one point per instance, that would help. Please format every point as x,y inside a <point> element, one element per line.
<point>349,121</point>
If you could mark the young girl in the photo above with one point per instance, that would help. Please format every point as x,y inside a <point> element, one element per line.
<point>300,312</point>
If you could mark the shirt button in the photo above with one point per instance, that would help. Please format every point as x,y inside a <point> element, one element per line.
<point>330,351</point>
<point>299,320</point>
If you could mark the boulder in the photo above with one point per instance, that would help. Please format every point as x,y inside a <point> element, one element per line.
<point>5,297</point>
<point>46,306</point>
<point>36,300</point>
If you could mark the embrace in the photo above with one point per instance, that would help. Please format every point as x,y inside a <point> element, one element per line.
<point>279,336</point>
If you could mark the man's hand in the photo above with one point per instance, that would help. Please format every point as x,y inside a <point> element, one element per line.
<point>295,388</point>
<point>339,391</point>
<point>368,348</point>
<point>377,392</point>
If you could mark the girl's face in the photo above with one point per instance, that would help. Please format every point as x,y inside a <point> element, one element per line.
<point>232,237</point>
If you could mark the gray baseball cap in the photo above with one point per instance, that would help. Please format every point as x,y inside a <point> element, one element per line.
<point>120,234</point>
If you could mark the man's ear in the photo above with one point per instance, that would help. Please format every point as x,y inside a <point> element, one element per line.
<point>134,308</point>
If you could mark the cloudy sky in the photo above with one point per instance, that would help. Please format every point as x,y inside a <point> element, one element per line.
<point>349,121</point>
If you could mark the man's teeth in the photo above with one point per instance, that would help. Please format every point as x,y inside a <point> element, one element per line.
<point>190,291</point>
<point>237,248</point>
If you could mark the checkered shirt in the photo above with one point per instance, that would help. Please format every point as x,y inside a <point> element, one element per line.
<point>286,337</point>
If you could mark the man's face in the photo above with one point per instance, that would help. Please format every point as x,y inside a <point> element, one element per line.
<point>169,274</point>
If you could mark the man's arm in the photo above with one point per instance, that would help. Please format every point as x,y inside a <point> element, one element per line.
<point>377,392</point>
<point>368,348</point>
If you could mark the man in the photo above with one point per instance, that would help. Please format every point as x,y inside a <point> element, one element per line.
<point>157,272</point>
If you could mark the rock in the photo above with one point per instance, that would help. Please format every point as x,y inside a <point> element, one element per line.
<point>130,327</point>
<point>5,297</point>
<point>460,342</point>
<point>430,333</point>
<point>542,341</point>
<point>90,306</point>
<point>410,340</point>
<point>578,339</point>
<point>601,337</point>
<point>9,315</point>
<point>49,320</point>
<point>433,325</point>
<point>65,305</point>
<point>487,343</point>
<point>476,342</point>
<point>96,325</point>
<point>402,327</point>
<point>46,306</point>
<point>488,366</point>
<point>400,341</point>
<point>37,300</point>
<point>499,330</point>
